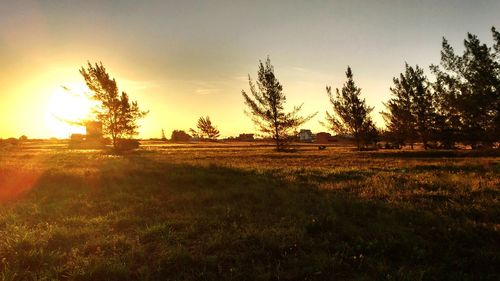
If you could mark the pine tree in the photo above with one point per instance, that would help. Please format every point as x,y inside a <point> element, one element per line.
<point>411,113</point>
<point>399,119</point>
<point>118,115</point>
<point>266,108</point>
<point>468,86</point>
<point>496,110</point>
<point>351,114</point>
<point>205,129</point>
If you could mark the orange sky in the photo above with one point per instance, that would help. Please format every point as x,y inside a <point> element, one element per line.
<point>191,59</point>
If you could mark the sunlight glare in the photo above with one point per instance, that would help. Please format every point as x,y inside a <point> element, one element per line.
<point>66,108</point>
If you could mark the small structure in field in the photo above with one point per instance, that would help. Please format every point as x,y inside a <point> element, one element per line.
<point>92,139</point>
<point>306,135</point>
<point>93,130</point>
<point>324,137</point>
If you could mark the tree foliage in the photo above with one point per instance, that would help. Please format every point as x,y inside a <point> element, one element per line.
<point>467,91</point>
<point>179,135</point>
<point>116,112</point>
<point>410,112</point>
<point>266,106</point>
<point>205,129</point>
<point>163,137</point>
<point>351,115</point>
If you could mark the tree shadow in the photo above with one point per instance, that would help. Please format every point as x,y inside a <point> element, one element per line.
<point>144,219</point>
<point>436,154</point>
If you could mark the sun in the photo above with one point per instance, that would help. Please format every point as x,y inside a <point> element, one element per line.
<point>66,107</point>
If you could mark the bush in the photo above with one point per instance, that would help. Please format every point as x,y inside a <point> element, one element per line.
<point>127,144</point>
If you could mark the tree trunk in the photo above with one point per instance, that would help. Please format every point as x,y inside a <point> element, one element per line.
<point>278,144</point>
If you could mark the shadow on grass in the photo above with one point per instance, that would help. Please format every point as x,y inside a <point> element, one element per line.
<point>337,176</point>
<point>455,168</point>
<point>435,153</point>
<point>140,219</point>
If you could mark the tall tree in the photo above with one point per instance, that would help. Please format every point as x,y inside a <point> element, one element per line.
<point>163,137</point>
<point>205,129</point>
<point>411,113</point>
<point>266,108</point>
<point>399,119</point>
<point>469,85</point>
<point>496,47</point>
<point>116,112</point>
<point>350,115</point>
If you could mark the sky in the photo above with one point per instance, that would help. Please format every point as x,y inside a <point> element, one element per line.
<point>185,59</point>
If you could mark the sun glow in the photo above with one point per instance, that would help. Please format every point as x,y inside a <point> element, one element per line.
<point>67,107</point>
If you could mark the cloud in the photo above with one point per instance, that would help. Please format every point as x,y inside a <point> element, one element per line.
<point>298,68</point>
<point>136,85</point>
<point>206,91</point>
<point>241,78</point>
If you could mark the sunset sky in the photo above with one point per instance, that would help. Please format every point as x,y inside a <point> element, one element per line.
<point>186,59</point>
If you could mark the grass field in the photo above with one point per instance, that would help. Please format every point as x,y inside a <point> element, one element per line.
<point>241,212</point>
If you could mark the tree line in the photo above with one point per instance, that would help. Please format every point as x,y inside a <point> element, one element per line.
<point>461,105</point>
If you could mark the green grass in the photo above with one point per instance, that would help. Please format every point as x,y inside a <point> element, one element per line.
<point>225,212</point>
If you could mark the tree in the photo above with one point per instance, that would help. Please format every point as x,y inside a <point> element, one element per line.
<point>205,129</point>
<point>118,115</point>
<point>468,88</point>
<point>496,47</point>
<point>179,135</point>
<point>351,115</point>
<point>163,137</point>
<point>266,108</point>
<point>411,113</point>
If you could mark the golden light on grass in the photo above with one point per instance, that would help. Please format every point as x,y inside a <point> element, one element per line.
<point>16,182</point>
<point>67,107</point>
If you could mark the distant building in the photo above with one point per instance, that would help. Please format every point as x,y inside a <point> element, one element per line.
<point>93,130</point>
<point>77,137</point>
<point>91,140</point>
<point>324,137</point>
<point>245,137</point>
<point>306,135</point>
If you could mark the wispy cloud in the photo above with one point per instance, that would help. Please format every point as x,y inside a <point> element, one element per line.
<point>206,91</point>
<point>298,68</point>
<point>137,85</point>
<point>241,78</point>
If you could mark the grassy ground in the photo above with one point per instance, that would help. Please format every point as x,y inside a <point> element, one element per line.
<point>239,212</point>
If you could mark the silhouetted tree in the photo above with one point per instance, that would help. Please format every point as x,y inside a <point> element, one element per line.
<point>179,135</point>
<point>351,115</point>
<point>448,121</point>
<point>468,88</point>
<point>496,47</point>
<point>118,115</point>
<point>398,118</point>
<point>163,137</point>
<point>411,113</point>
<point>205,129</point>
<point>266,108</point>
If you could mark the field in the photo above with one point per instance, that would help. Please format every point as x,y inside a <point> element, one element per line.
<point>245,212</point>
